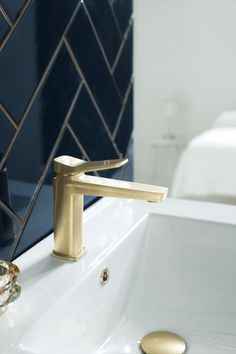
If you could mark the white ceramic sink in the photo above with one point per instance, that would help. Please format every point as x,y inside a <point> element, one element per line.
<point>172,267</point>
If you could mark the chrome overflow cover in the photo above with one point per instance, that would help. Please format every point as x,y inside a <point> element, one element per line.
<point>104,276</point>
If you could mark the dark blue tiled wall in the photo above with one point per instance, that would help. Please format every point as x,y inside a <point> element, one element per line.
<point>65,88</point>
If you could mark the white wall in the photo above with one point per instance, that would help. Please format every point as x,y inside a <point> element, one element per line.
<point>183,49</point>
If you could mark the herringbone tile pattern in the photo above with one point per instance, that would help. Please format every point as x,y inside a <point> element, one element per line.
<point>65,88</point>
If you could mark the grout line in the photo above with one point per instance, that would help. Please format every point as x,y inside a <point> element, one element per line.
<point>40,84</point>
<point>126,34</point>
<point>118,55</point>
<point>115,19</point>
<point>122,108</point>
<point>71,53</point>
<point>49,161</point>
<point>102,51</point>
<point>6,16</point>
<point>10,212</point>
<point>76,139</point>
<point>114,14</point>
<point>22,12</point>
<point>8,117</point>
<point>97,37</point>
<point>74,61</point>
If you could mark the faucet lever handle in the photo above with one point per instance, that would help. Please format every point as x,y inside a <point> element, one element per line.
<point>72,166</point>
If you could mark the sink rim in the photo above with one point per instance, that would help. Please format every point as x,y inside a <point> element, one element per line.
<point>178,208</point>
<point>218,213</point>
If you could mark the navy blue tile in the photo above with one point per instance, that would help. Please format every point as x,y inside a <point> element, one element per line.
<point>4,190</point>
<point>9,229</point>
<point>28,51</point>
<point>40,222</point>
<point>123,10</point>
<point>126,126</point>
<point>36,230</point>
<point>23,60</point>
<point>107,30</point>
<point>123,70</point>
<point>88,127</point>
<point>35,141</point>
<point>4,27</point>
<point>6,133</point>
<point>12,7</point>
<point>89,56</point>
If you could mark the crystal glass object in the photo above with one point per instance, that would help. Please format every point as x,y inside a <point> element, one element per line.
<point>9,288</point>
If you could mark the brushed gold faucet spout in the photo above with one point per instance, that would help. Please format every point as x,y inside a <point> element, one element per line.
<point>71,184</point>
<point>105,187</point>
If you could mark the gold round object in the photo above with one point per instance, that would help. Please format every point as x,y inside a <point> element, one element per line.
<point>163,343</point>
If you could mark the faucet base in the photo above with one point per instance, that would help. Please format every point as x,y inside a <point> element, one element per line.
<point>66,257</point>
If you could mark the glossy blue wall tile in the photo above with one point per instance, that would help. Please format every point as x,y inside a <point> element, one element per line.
<point>91,61</point>
<point>124,68</point>
<point>91,132</point>
<point>4,27</point>
<point>9,231</point>
<point>12,7</point>
<point>106,26</point>
<point>123,10</point>
<point>29,50</point>
<point>124,131</point>
<point>65,88</point>
<point>7,131</point>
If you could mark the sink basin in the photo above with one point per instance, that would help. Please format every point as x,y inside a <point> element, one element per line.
<point>172,267</point>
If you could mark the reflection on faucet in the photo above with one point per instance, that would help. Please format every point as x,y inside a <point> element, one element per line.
<point>71,184</point>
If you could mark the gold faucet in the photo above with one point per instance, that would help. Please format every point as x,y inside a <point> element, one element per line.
<point>71,184</point>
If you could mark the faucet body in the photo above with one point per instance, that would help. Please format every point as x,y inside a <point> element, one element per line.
<point>70,186</point>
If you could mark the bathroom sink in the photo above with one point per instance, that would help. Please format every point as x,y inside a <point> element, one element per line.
<point>172,267</point>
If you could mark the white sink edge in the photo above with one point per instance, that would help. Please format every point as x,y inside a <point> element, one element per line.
<point>40,270</point>
<point>212,212</point>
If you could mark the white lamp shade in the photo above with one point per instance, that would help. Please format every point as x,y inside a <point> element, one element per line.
<point>170,108</point>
